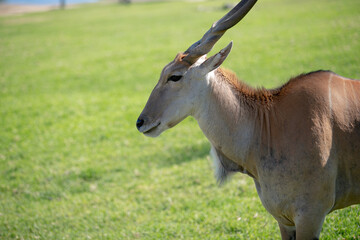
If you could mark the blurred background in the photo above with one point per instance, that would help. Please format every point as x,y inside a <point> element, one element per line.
<point>74,76</point>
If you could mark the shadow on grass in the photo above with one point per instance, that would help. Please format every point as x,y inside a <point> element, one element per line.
<point>178,155</point>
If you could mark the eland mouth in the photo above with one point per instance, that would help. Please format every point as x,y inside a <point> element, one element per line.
<point>145,128</point>
<point>151,129</point>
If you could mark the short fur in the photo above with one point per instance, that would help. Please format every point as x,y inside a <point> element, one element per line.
<point>299,142</point>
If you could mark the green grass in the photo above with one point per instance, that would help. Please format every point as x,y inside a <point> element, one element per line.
<point>72,83</point>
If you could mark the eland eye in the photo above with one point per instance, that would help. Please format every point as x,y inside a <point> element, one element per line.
<point>174,78</point>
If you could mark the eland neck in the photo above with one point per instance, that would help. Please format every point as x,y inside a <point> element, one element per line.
<point>235,118</point>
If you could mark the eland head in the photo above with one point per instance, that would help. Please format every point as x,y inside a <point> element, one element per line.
<point>177,93</point>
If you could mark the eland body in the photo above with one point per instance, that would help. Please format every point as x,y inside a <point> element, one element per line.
<point>300,143</point>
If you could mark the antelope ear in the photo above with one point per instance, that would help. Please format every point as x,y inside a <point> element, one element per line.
<point>215,61</point>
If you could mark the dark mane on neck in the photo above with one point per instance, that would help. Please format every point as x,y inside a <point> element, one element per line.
<point>253,95</point>
<point>260,96</point>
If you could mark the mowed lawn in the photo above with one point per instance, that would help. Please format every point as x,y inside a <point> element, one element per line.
<point>73,82</point>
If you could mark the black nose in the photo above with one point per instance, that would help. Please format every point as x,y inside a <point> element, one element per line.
<point>139,123</point>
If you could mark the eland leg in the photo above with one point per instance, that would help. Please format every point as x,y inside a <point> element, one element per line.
<point>287,232</point>
<point>308,227</point>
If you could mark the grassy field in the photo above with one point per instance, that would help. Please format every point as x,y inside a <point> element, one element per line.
<point>72,84</point>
